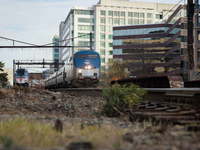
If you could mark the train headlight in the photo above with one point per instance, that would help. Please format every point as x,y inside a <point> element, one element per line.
<point>88,67</point>
<point>95,70</point>
<point>79,71</point>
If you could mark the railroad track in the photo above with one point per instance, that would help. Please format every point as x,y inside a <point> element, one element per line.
<point>169,106</point>
<point>95,92</point>
<point>161,105</point>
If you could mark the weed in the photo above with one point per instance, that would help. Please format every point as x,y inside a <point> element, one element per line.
<point>121,97</point>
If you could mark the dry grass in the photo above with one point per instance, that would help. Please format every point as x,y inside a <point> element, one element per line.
<point>36,134</point>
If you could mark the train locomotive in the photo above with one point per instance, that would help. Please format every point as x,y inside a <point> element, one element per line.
<point>81,70</point>
<point>21,77</point>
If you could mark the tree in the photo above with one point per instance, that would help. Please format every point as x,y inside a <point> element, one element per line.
<point>3,76</point>
<point>114,70</point>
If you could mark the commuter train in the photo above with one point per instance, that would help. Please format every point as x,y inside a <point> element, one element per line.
<point>21,77</point>
<point>81,70</point>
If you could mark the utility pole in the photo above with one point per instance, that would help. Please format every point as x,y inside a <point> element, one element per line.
<point>91,41</point>
<point>190,54</point>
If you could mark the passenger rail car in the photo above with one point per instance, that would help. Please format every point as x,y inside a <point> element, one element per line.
<point>81,70</point>
<point>21,77</point>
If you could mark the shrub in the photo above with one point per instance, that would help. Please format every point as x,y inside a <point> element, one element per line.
<point>121,98</point>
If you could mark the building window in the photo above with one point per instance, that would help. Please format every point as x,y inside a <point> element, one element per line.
<point>102,28</point>
<point>85,43</point>
<point>102,44</point>
<point>102,36</point>
<point>184,38</point>
<point>141,21</point>
<point>102,68</point>
<point>141,15</point>
<point>116,21</point>
<point>123,14</point>
<point>110,21</point>
<point>122,21</point>
<point>149,15</point>
<point>158,16</point>
<point>129,21</point>
<point>136,14</point>
<point>135,21</point>
<point>110,60</point>
<point>110,13</point>
<point>110,52</point>
<point>56,44</point>
<point>110,44</point>
<point>85,28</point>
<point>102,60</point>
<point>130,14</point>
<point>56,55</point>
<point>149,21</point>
<point>103,13</point>
<point>110,37</point>
<point>110,29</point>
<point>102,52</point>
<point>84,12</point>
<point>86,20</point>
<point>56,50</point>
<point>85,36</point>
<point>116,13</point>
<point>102,20</point>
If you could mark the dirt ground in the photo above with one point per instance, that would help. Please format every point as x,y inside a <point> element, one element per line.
<point>48,106</point>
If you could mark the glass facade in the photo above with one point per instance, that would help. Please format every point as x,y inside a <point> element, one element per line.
<point>103,12</point>
<point>149,15</point>
<point>102,36</point>
<point>85,28</point>
<point>110,37</point>
<point>110,21</point>
<point>122,14</point>
<point>85,35</point>
<point>102,52</point>
<point>157,30</point>
<point>56,55</point>
<point>102,28</point>
<point>86,20</point>
<point>56,50</point>
<point>102,60</point>
<point>110,13</point>
<point>83,12</point>
<point>85,43</point>
<point>102,44</point>
<point>102,20</point>
<point>151,50</point>
<point>130,14</point>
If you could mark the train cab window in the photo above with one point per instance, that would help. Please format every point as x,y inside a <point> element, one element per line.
<point>92,56</point>
<point>81,56</point>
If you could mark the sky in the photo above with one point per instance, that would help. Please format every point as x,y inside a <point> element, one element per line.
<point>36,22</point>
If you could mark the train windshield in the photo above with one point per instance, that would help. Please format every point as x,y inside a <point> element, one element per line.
<point>20,72</point>
<point>81,56</point>
<point>92,56</point>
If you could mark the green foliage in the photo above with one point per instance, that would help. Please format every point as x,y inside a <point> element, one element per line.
<point>3,76</point>
<point>121,98</point>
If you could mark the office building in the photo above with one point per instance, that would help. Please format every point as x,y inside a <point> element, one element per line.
<point>100,19</point>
